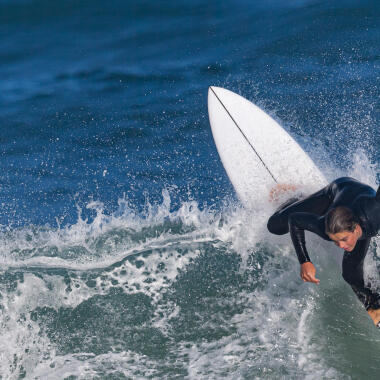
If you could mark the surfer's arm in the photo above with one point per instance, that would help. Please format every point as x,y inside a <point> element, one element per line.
<point>298,223</point>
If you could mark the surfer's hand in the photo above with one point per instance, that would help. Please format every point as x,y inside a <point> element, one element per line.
<point>308,273</point>
<point>375,315</point>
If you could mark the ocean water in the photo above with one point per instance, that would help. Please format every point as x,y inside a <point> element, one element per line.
<point>124,251</point>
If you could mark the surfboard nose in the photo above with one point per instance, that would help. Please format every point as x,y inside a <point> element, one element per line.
<point>212,91</point>
<point>217,91</point>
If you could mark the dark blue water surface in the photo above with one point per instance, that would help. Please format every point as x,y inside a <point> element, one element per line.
<point>106,101</point>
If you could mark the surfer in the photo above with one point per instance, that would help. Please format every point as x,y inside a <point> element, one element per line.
<point>346,212</point>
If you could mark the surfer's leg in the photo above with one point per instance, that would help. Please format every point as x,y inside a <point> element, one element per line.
<point>316,203</point>
<point>278,222</point>
<point>370,300</point>
<point>352,271</point>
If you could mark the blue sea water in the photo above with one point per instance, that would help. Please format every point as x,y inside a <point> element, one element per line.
<point>124,250</point>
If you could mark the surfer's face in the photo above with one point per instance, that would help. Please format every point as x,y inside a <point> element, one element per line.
<point>347,239</point>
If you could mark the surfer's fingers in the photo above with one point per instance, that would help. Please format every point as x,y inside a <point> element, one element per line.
<point>309,278</point>
<point>314,280</point>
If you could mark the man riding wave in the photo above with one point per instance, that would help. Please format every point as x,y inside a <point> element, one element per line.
<point>346,212</point>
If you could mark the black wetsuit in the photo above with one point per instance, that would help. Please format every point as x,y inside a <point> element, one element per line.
<point>309,214</point>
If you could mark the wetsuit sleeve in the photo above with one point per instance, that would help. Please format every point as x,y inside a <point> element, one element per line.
<point>352,271</point>
<point>378,194</point>
<point>298,223</point>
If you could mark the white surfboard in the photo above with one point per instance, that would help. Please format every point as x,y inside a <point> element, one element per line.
<point>256,152</point>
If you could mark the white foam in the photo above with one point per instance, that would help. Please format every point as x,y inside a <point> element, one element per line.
<point>88,365</point>
<point>275,332</point>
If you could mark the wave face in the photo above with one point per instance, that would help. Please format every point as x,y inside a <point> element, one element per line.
<point>124,251</point>
<point>186,293</point>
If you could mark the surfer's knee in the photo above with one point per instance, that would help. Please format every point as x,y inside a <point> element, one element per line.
<point>276,227</point>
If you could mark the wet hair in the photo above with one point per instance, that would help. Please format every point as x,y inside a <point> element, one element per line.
<point>340,219</point>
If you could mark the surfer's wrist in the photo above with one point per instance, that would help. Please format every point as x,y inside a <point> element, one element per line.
<point>307,272</point>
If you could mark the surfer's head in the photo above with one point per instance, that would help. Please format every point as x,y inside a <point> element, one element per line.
<point>343,228</point>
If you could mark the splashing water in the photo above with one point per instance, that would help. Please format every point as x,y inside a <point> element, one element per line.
<point>188,292</point>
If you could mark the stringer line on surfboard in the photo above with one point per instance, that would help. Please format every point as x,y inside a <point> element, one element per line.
<point>266,167</point>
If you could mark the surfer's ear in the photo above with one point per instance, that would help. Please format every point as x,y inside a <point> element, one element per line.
<point>358,229</point>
